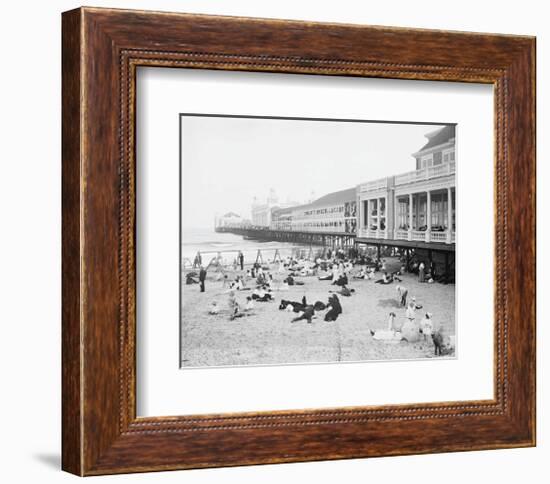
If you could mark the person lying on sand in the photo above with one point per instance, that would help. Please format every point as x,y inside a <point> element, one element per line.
<point>308,314</point>
<point>389,334</point>
<point>261,295</point>
<point>386,279</point>
<point>326,277</point>
<point>345,291</point>
<point>395,276</point>
<point>293,282</point>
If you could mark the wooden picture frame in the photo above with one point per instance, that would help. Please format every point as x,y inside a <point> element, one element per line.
<point>101,50</point>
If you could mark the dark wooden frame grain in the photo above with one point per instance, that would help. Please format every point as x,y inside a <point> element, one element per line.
<point>101,51</point>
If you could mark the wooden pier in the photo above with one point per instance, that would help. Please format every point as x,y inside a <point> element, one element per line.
<point>333,240</point>
<point>443,255</point>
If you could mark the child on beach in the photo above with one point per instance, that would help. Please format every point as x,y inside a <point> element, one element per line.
<point>249,304</point>
<point>410,313</point>
<point>427,326</point>
<point>234,307</point>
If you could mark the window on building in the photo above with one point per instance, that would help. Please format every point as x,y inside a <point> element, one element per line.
<point>438,158</point>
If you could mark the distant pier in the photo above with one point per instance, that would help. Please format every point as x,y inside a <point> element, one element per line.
<point>324,239</point>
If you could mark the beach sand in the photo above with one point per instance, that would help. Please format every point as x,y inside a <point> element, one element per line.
<point>268,336</point>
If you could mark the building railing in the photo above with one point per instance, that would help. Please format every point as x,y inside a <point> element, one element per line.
<point>426,173</point>
<point>418,235</point>
<point>438,236</point>
<point>412,235</point>
<point>374,185</point>
<point>401,235</point>
<point>373,233</point>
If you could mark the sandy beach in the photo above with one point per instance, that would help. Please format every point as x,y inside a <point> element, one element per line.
<point>268,337</point>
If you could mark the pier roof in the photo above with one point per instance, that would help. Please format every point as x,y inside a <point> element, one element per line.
<point>334,198</point>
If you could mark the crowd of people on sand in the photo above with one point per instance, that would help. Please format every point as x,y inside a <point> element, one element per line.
<point>338,268</point>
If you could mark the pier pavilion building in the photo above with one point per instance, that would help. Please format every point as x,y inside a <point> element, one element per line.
<point>415,209</point>
<point>418,205</point>
<point>413,212</point>
<point>335,212</point>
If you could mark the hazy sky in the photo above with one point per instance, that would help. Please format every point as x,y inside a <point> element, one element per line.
<point>228,161</point>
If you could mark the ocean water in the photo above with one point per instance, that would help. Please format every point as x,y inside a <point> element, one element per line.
<point>209,242</point>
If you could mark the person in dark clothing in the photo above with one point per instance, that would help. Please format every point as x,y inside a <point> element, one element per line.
<point>335,308</point>
<point>202,278</point>
<point>307,314</point>
<point>198,260</point>
<point>241,260</point>
<point>432,270</point>
<point>319,306</point>
<point>386,279</point>
<point>293,282</point>
<point>345,291</point>
<point>341,281</point>
<point>191,278</point>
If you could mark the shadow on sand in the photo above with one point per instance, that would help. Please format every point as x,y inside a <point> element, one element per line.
<point>388,303</point>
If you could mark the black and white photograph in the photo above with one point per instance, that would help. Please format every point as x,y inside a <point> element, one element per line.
<point>316,240</point>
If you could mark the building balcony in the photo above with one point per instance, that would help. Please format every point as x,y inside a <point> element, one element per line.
<point>441,237</point>
<point>401,235</point>
<point>418,235</point>
<point>374,185</point>
<point>426,173</point>
<point>373,233</point>
<point>438,236</point>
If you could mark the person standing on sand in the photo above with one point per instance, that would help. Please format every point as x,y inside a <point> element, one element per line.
<point>198,260</point>
<point>202,278</point>
<point>402,292</point>
<point>241,260</point>
<point>421,274</point>
<point>410,314</point>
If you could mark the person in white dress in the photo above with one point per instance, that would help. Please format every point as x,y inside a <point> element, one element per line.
<point>391,334</point>
<point>427,326</point>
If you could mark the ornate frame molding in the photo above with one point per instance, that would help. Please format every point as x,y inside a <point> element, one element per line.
<point>102,50</point>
